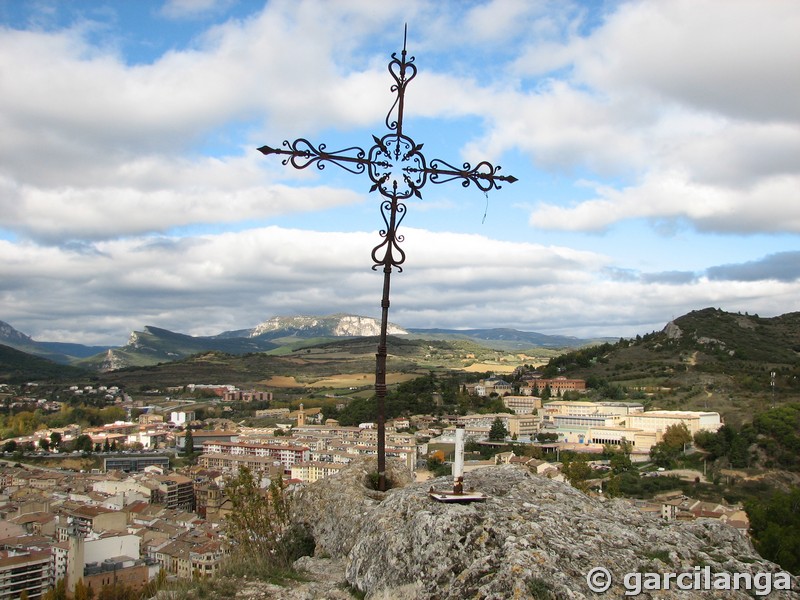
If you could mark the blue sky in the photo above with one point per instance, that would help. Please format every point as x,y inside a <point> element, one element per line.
<point>657,147</point>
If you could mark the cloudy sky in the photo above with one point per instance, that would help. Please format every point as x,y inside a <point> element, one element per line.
<point>656,143</point>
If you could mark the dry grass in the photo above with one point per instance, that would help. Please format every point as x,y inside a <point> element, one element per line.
<point>344,380</point>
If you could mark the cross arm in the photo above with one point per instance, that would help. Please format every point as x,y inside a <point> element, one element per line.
<point>301,153</point>
<point>483,175</point>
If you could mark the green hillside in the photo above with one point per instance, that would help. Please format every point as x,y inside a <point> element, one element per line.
<point>707,359</point>
<point>21,367</point>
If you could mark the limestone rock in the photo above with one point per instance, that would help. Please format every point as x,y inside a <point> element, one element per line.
<point>672,331</point>
<point>335,508</point>
<point>533,538</point>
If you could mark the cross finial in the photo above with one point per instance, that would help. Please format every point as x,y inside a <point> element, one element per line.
<point>398,170</point>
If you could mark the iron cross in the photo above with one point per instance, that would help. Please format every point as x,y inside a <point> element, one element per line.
<point>398,170</point>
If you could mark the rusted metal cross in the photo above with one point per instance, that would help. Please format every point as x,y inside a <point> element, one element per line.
<point>398,170</point>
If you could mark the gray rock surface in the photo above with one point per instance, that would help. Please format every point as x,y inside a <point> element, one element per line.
<point>533,538</point>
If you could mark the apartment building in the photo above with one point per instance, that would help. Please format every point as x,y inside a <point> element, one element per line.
<point>523,425</point>
<point>311,471</point>
<point>287,455</point>
<point>206,559</point>
<point>24,571</point>
<point>230,463</point>
<point>522,405</point>
<point>173,491</point>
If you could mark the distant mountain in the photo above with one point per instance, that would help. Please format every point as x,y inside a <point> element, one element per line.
<point>331,326</point>
<point>60,352</point>
<point>10,335</point>
<point>20,367</point>
<point>154,345</point>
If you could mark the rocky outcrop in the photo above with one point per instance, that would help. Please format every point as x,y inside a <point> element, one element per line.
<point>672,331</point>
<point>9,335</point>
<point>339,325</point>
<point>335,509</point>
<point>532,538</point>
<point>112,361</point>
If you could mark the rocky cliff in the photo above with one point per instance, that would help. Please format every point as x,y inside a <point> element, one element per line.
<point>532,538</point>
<point>338,325</point>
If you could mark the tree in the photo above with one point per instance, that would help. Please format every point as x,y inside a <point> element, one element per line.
<point>83,443</point>
<point>675,436</point>
<point>775,527</point>
<point>739,453</point>
<point>498,431</point>
<point>55,439</point>
<point>59,592</point>
<point>436,464</point>
<point>10,446</point>
<point>44,444</point>
<point>620,459</point>
<point>259,523</point>
<point>664,455</point>
<point>576,469</point>
<point>188,446</point>
<point>666,452</point>
<point>81,591</point>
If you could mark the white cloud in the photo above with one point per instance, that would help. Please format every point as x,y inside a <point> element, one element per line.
<point>768,206</point>
<point>681,113</point>
<point>96,213</point>
<point>212,283</point>
<point>695,105</point>
<point>736,58</point>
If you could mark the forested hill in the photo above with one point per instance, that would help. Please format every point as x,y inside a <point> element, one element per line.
<point>705,359</point>
<point>20,367</point>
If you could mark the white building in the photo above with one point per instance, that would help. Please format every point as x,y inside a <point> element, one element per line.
<point>181,417</point>
<point>94,551</point>
<point>659,420</point>
<point>580,408</point>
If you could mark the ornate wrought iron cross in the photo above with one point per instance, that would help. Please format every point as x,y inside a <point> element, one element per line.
<point>398,170</point>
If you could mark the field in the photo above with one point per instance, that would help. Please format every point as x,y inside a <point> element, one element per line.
<point>342,381</point>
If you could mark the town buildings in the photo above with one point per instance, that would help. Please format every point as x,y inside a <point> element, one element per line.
<point>123,525</point>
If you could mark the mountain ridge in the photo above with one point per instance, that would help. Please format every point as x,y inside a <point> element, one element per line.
<point>153,345</point>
